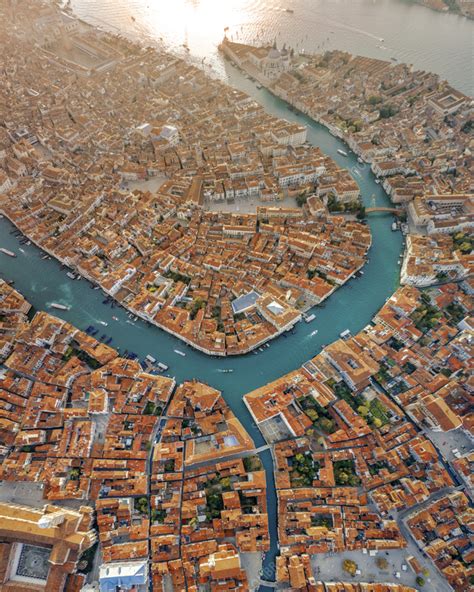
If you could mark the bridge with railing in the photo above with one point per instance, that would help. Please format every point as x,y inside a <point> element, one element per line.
<point>396,211</point>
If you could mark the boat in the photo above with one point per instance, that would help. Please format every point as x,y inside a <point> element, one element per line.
<point>115,318</point>
<point>21,250</point>
<point>7,252</point>
<point>259,86</point>
<point>162,366</point>
<point>44,257</point>
<point>342,152</point>
<point>103,323</point>
<point>394,226</point>
<point>151,359</point>
<point>289,10</point>
<point>179,352</point>
<point>357,172</point>
<point>394,59</point>
<point>225,370</point>
<point>360,160</point>
<point>310,318</point>
<point>344,334</point>
<point>313,333</point>
<point>59,306</point>
<point>70,275</point>
<point>377,181</point>
<point>109,340</point>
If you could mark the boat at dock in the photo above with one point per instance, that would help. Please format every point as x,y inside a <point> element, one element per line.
<point>150,359</point>
<point>162,366</point>
<point>70,275</point>
<point>59,306</point>
<point>179,352</point>
<point>394,226</point>
<point>345,334</point>
<point>310,318</point>
<point>7,252</point>
<point>342,152</point>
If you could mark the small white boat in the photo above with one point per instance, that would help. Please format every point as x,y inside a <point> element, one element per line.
<point>394,226</point>
<point>115,318</point>
<point>21,250</point>
<point>344,334</point>
<point>103,323</point>
<point>377,181</point>
<point>179,352</point>
<point>70,275</point>
<point>162,366</point>
<point>342,152</point>
<point>7,252</point>
<point>151,359</point>
<point>313,333</point>
<point>310,318</point>
<point>59,306</point>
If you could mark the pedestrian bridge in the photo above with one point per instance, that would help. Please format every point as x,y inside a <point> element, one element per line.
<point>396,211</point>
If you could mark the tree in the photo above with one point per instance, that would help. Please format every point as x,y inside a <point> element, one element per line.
<point>312,414</point>
<point>420,581</point>
<point>381,562</point>
<point>349,566</point>
<point>363,410</point>
<point>327,425</point>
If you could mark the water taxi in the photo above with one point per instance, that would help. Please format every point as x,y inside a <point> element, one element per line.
<point>394,226</point>
<point>342,152</point>
<point>310,318</point>
<point>162,366</point>
<point>7,252</point>
<point>345,334</point>
<point>179,352</point>
<point>151,359</point>
<point>59,306</point>
<point>70,275</point>
<point>103,323</point>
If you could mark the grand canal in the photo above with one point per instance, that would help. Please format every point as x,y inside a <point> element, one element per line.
<point>351,307</point>
<point>42,281</point>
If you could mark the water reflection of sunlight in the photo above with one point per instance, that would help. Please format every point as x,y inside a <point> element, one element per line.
<point>182,19</point>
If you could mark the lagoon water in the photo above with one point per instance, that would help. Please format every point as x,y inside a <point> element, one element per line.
<point>439,42</point>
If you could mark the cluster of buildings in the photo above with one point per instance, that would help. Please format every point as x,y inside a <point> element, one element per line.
<point>442,530</point>
<point>411,128</point>
<point>177,488</point>
<point>354,437</point>
<point>91,123</point>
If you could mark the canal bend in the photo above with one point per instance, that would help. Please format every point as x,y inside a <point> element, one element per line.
<point>43,281</point>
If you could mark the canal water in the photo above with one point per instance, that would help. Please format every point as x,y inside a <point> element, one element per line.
<point>351,307</point>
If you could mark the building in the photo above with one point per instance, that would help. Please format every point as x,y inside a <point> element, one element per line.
<point>39,548</point>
